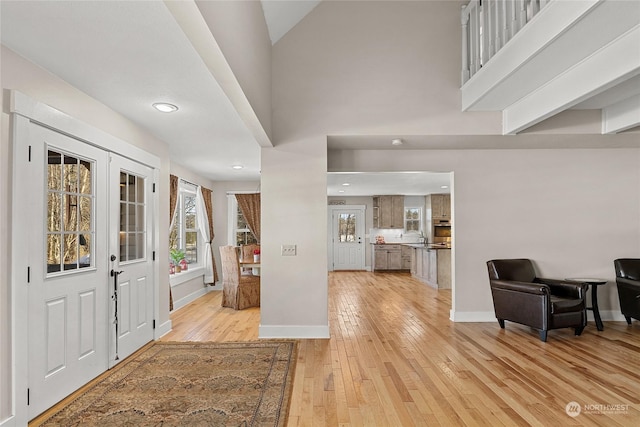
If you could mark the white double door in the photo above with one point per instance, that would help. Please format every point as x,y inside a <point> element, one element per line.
<point>90,212</point>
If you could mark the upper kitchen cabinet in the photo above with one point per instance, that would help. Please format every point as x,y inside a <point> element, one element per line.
<point>388,211</point>
<point>440,206</point>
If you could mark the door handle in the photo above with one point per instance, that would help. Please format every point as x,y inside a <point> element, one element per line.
<point>115,275</point>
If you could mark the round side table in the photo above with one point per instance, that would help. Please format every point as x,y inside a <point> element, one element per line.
<point>594,283</point>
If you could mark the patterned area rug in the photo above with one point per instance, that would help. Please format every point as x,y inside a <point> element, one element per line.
<point>190,384</point>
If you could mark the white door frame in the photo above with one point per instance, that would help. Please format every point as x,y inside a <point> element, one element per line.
<point>24,110</point>
<point>330,240</point>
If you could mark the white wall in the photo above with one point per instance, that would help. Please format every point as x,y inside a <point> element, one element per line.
<point>294,299</point>
<point>17,73</point>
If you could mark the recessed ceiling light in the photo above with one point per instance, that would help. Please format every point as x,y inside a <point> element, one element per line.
<point>396,141</point>
<point>444,186</point>
<point>237,167</point>
<point>164,107</point>
<point>346,184</point>
<point>340,191</point>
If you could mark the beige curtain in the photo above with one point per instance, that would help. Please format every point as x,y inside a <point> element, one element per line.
<point>206,196</point>
<point>173,200</point>
<point>250,206</point>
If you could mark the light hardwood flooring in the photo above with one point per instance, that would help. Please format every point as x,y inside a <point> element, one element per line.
<point>395,359</point>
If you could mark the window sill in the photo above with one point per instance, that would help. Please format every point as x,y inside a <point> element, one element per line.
<point>185,276</point>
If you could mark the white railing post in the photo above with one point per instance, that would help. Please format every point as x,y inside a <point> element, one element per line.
<point>475,40</point>
<point>464,18</point>
<point>505,22</point>
<point>488,26</point>
<point>498,28</point>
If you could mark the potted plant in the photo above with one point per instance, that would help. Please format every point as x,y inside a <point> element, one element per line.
<point>177,255</point>
<point>256,255</point>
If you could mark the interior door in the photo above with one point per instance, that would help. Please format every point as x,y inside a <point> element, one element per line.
<point>131,256</point>
<point>67,328</point>
<point>348,239</point>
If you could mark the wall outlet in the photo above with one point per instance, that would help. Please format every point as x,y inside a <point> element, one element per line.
<point>288,250</point>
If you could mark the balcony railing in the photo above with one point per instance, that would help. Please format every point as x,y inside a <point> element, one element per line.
<point>487,25</point>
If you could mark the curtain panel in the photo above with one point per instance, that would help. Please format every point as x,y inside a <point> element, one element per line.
<point>205,223</point>
<point>249,204</point>
<point>173,201</point>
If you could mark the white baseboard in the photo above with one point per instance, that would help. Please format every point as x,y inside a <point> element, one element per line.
<point>11,421</point>
<point>294,331</point>
<point>216,287</point>
<point>178,304</point>
<point>162,330</point>
<point>472,316</point>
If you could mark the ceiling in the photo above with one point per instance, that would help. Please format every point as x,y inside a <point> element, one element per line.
<point>96,47</point>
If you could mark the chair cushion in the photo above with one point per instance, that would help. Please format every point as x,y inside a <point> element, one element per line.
<point>565,305</point>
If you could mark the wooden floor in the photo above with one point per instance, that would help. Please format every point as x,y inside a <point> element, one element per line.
<point>395,359</point>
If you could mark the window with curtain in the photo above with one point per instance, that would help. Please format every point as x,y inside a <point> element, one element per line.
<point>239,232</point>
<point>185,233</point>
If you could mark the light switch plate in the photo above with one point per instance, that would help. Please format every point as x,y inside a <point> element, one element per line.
<point>288,250</point>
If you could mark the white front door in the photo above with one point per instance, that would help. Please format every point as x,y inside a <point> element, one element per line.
<point>348,238</point>
<point>68,271</point>
<point>131,256</point>
<point>90,213</point>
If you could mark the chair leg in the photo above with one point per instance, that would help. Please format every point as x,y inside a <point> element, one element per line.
<point>579,330</point>
<point>501,322</point>
<point>543,336</point>
<point>628,318</point>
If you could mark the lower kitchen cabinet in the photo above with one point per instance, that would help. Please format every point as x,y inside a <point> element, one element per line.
<point>387,257</point>
<point>432,266</point>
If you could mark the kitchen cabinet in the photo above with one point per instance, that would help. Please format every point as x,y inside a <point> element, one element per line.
<point>388,212</point>
<point>406,257</point>
<point>432,266</point>
<point>387,257</point>
<point>440,205</point>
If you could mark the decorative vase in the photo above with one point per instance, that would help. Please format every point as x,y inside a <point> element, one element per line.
<point>184,265</point>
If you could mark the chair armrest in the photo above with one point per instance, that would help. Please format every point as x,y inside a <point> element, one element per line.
<point>565,288</point>
<point>528,287</point>
<point>628,283</point>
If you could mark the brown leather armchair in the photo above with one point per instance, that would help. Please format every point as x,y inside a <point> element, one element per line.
<point>628,281</point>
<point>521,297</point>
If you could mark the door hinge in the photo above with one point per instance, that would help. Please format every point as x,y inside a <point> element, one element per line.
<point>154,323</point>
<point>153,256</point>
<point>29,153</point>
<point>28,396</point>
<point>28,274</point>
<point>154,187</point>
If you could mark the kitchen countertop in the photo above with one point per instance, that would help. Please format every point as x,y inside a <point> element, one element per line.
<point>430,246</point>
